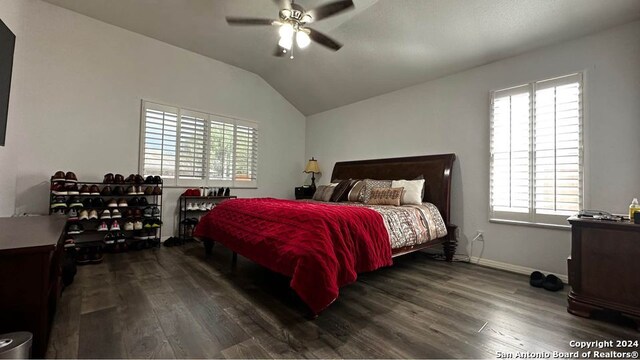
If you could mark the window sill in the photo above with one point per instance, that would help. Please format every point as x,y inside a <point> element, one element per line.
<point>530,224</point>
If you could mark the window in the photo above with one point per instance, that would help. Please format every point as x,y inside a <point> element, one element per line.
<point>189,148</point>
<point>536,170</point>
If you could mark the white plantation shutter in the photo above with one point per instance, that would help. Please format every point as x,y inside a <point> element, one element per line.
<point>558,146</point>
<point>246,154</point>
<point>158,143</point>
<point>191,148</point>
<point>536,151</point>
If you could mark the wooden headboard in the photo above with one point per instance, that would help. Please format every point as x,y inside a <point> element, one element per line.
<point>436,170</point>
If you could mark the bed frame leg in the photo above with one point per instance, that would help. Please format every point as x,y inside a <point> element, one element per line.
<point>450,245</point>
<point>208,247</point>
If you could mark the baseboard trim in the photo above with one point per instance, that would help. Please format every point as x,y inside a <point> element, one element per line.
<point>512,268</point>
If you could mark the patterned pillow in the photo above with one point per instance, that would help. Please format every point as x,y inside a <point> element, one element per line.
<point>369,185</point>
<point>385,196</point>
<point>356,190</point>
<point>342,190</point>
<point>328,191</point>
<point>319,192</point>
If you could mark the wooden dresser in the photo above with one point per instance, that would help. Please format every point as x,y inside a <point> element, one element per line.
<point>31,252</point>
<point>604,267</point>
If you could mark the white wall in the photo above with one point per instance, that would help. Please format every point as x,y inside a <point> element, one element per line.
<point>75,105</point>
<point>451,114</point>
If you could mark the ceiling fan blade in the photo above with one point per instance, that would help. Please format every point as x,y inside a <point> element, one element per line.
<point>249,21</point>
<point>324,40</point>
<point>280,51</point>
<point>283,4</point>
<point>331,9</point>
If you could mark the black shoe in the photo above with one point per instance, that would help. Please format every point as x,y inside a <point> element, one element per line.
<point>157,180</point>
<point>149,180</point>
<point>220,192</point>
<point>87,203</point>
<point>143,201</point>
<point>98,203</point>
<point>552,283</point>
<point>227,192</point>
<point>536,279</point>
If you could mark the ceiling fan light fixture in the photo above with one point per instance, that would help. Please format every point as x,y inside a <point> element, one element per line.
<point>286,31</point>
<point>286,43</point>
<point>302,39</point>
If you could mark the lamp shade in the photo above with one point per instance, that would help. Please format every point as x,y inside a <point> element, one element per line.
<point>312,166</point>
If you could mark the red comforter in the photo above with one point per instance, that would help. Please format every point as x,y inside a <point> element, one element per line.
<point>321,247</point>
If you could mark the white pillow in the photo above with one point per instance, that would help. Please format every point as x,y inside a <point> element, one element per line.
<point>412,191</point>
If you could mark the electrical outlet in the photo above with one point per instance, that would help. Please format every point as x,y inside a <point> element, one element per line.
<point>479,235</point>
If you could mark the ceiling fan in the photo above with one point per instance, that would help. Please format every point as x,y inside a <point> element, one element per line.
<point>293,21</point>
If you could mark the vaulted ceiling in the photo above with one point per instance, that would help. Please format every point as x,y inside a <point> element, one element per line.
<point>388,44</point>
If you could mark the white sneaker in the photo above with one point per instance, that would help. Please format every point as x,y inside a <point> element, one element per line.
<point>105,215</point>
<point>202,207</point>
<point>190,206</point>
<point>103,227</point>
<point>115,226</point>
<point>137,225</point>
<point>128,226</point>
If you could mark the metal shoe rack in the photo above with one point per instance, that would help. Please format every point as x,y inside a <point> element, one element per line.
<point>90,236</point>
<point>185,213</point>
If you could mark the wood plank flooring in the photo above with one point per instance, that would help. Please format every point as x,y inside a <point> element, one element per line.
<point>175,303</point>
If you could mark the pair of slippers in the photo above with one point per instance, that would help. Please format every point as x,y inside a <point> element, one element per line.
<point>549,282</point>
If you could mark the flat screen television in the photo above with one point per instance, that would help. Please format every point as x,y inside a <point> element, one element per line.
<point>7,44</point>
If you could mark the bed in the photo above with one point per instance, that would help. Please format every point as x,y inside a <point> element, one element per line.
<point>323,247</point>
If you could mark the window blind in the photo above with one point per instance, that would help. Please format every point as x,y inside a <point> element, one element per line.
<point>158,150</point>
<point>190,148</point>
<point>536,151</point>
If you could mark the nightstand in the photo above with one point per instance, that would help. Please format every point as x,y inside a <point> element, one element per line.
<point>304,192</point>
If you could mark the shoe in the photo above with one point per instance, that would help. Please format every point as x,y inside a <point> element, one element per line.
<point>83,215</point>
<point>134,202</point>
<point>87,203</point>
<point>75,229</point>
<point>148,190</point>
<point>115,226</point>
<point>127,213</point>
<point>58,176</point>
<point>143,201</point>
<point>58,189</point>
<point>130,179</point>
<point>227,192</point>
<point>131,190</point>
<point>69,242</point>
<point>84,190</point>
<point>149,180</point>
<point>128,226</point>
<point>106,214</point>
<point>112,203</point>
<point>70,177</point>
<point>122,203</point>
<point>74,202</point>
<point>72,189</point>
<point>137,213</point>
<point>155,212</point>
<point>58,202</point>
<point>147,224</point>
<point>106,191</point>
<point>211,192</point>
<point>103,227</point>
<point>148,212</point>
<point>118,179</point>
<point>117,191</point>
<point>139,235</point>
<point>73,214</point>
<point>108,178</point>
<point>552,283</point>
<point>139,190</point>
<point>138,179</point>
<point>120,237</point>
<point>83,257</point>
<point>157,180</point>
<point>137,225</point>
<point>115,214</point>
<point>94,190</point>
<point>202,207</point>
<point>95,257</point>
<point>60,211</point>
<point>93,214</point>
<point>98,203</point>
<point>536,279</point>
<point>190,207</point>
<point>220,192</point>
<point>109,239</point>
<point>156,223</point>
<point>157,190</point>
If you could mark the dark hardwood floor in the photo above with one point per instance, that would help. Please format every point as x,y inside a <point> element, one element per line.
<point>172,302</point>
